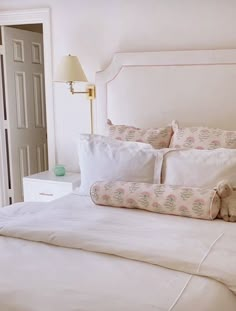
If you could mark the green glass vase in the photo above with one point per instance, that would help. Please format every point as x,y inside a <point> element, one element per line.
<point>59,170</point>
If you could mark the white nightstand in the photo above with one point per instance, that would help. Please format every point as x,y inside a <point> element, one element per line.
<point>45,186</point>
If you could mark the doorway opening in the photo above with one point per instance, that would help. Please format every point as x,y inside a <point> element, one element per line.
<point>26,103</point>
<point>23,103</point>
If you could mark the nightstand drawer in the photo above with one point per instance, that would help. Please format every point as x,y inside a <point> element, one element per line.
<point>45,191</point>
<point>45,186</point>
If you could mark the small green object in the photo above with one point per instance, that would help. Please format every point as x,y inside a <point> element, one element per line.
<point>59,170</point>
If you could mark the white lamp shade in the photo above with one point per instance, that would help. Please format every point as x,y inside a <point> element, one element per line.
<point>70,70</point>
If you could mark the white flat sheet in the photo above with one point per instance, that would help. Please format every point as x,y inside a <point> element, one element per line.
<point>38,276</point>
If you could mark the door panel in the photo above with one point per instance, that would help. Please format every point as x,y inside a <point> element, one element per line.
<point>25,101</point>
<point>24,156</point>
<point>42,158</point>
<point>38,100</point>
<point>21,105</point>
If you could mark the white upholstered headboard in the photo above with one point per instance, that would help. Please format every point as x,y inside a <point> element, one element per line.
<point>151,89</point>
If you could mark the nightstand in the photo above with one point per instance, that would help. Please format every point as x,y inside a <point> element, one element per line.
<point>45,186</point>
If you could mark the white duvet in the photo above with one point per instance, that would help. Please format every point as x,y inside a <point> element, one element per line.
<point>201,255</point>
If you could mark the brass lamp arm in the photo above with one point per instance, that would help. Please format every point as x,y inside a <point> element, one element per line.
<point>90,90</point>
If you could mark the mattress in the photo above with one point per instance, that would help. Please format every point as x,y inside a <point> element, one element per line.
<point>72,255</point>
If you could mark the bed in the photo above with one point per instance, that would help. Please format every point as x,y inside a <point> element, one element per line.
<point>70,254</point>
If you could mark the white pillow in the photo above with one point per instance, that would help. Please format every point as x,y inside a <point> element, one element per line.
<point>104,159</point>
<point>199,168</point>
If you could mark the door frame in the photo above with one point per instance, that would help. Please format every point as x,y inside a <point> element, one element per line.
<point>39,16</point>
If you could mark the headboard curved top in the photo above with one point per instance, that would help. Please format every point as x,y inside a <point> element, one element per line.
<point>152,88</point>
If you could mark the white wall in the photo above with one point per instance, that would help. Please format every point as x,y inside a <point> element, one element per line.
<point>96,29</point>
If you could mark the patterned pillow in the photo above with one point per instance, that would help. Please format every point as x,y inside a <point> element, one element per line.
<point>202,138</point>
<point>165,199</point>
<point>157,137</point>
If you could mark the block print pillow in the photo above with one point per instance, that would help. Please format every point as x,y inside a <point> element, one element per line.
<point>157,137</point>
<point>166,199</point>
<point>202,138</point>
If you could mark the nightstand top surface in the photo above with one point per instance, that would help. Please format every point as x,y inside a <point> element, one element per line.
<point>50,176</point>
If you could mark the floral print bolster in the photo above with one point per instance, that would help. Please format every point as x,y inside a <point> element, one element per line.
<point>165,199</point>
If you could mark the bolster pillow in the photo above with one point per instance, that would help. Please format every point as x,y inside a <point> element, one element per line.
<point>166,199</point>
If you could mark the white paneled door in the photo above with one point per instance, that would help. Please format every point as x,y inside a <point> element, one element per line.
<point>25,106</point>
